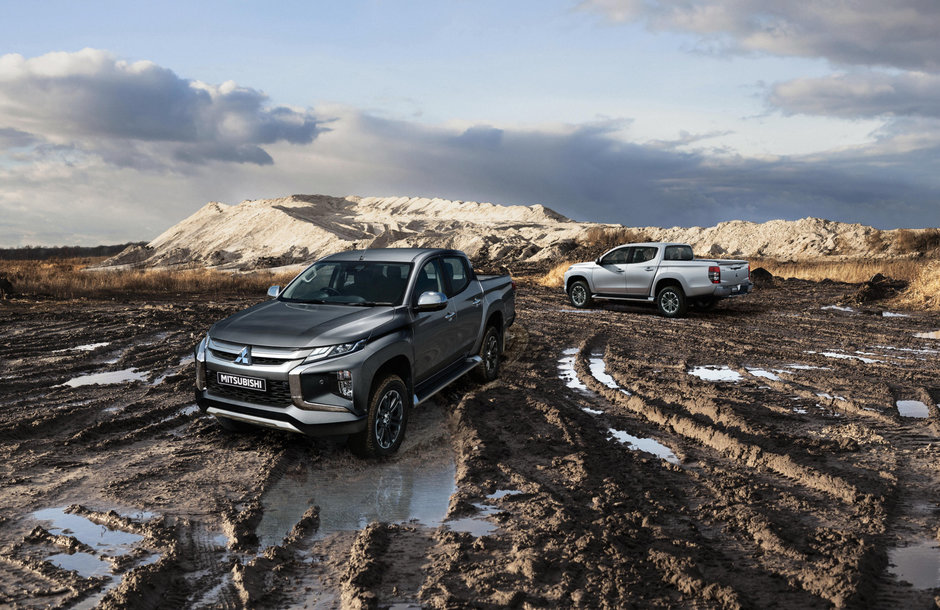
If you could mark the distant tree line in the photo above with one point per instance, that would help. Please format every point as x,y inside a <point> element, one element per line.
<point>41,253</point>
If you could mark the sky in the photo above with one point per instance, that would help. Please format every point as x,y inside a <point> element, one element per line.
<point>119,119</point>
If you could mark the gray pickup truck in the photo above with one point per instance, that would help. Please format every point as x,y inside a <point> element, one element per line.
<point>355,341</point>
<point>665,272</point>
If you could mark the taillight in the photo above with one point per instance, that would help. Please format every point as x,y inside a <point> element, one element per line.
<point>513,282</point>
<point>714,274</point>
<point>749,272</point>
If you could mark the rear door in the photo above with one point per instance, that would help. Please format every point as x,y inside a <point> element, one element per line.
<point>609,273</point>
<point>466,295</point>
<point>641,269</point>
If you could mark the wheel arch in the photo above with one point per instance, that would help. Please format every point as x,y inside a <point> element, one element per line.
<point>398,365</point>
<point>574,278</point>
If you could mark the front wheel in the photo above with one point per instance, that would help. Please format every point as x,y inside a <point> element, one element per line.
<point>386,420</point>
<point>489,352</point>
<point>580,294</point>
<point>671,302</point>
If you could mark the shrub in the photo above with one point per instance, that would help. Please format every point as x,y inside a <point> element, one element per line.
<point>605,238</point>
<point>921,241</point>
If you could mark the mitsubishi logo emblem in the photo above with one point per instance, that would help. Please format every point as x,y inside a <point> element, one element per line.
<point>244,357</point>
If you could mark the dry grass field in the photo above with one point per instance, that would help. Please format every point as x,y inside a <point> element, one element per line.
<point>70,278</point>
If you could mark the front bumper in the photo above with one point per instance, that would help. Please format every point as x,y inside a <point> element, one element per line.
<point>297,397</point>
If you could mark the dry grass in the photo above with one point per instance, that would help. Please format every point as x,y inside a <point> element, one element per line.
<point>851,271</point>
<point>921,242</point>
<point>555,277</point>
<point>924,290</point>
<point>69,278</point>
<point>606,238</point>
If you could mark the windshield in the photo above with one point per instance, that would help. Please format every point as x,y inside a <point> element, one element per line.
<point>350,283</point>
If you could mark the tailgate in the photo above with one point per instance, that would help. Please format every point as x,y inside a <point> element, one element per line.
<point>733,272</point>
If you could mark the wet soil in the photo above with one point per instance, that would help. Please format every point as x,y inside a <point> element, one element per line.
<point>754,455</point>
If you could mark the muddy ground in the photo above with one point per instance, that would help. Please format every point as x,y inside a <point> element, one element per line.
<point>751,456</point>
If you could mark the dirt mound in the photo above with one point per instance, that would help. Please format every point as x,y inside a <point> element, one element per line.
<point>292,230</point>
<point>878,288</point>
<point>762,277</point>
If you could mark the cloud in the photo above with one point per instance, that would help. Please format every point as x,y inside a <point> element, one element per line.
<point>140,114</point>
<point>859,95</point>
<point>901,34</point>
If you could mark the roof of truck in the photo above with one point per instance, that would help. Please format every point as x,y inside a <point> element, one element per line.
<point>389,255</point>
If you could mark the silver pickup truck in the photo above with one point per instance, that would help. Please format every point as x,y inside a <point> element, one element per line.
<point>355,341</point>
<point>665,272</point>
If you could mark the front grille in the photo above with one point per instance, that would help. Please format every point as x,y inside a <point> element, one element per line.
<point>230,357</point>
<point>276,395</point>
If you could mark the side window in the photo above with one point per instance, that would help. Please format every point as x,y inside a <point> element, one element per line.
<point>643,254</point>
<point>456,273</point>
<point>429,279</point>
<point>617,257</point>
<point>678,253</point>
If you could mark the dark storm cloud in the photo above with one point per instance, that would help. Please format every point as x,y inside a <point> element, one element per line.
<point>588,173</point>
<point>860,95</point>
<point>103,105</point>
<point>903,33</point>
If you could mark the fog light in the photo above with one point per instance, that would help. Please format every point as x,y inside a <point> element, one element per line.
<point>344,383</point>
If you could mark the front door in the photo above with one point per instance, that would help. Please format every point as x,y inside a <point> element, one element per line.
<point>609,273</point>
<point>435,332</point>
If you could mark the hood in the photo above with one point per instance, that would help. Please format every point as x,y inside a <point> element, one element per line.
<point>298,325</point>
<point>577,266</point>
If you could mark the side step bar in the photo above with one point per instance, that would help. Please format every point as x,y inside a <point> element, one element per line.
<point>448,377</point>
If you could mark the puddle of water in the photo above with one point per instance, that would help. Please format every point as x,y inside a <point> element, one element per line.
<point>841,356</point>
<point>931,335</point>
<point>800,411</point>
<point>581,311</point>
<point>913,408</point>
<point>765,374</point>
<point>891,314</point>
<point>85,564</point>
<point>829,396</point>
<point>592,411</point>
<point>599,371</point>
<point>107,378</point>
<point>918,564</point>
<point>646,445</point>
<point>502,493</point>
<point>88,347</point>
<point>837,308</point>
<point>476,525</point>
<point>807,367</point>
<point>99,537</point>
<point>391,493</point>
<point>716,373</point>
<point>186,360</point>
<point>567,373</point>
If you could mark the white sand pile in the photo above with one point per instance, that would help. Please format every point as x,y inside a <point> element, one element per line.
<point>301,228</point>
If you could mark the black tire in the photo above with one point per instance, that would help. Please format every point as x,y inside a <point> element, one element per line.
<point>235,426</point>
<point>490,351</point>
<point>579,294</point>
<point>671,301</point>
<point>389,406</point>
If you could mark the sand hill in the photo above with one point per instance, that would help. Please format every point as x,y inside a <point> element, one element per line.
<point>300,228</point>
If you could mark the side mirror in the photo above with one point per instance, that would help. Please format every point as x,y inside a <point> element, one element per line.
<point>273,291</point>
<point>597,261</point>
<point>431,301</point>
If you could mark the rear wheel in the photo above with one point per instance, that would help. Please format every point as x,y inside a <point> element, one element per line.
<point>671,301</point>
<point>386,420</point>
<point>489,352</point>
<point>579,294</point>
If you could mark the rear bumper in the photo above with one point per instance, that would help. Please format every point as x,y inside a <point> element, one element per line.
<point>282,418</point>
<point>733,290</point>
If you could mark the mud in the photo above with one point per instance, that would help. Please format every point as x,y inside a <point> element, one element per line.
<point>760,454</point>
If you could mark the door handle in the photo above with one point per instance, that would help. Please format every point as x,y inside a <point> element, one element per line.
<point>450,316</point>
<point>618,269</point>
<point>650,268</point>
<point>476,302</point>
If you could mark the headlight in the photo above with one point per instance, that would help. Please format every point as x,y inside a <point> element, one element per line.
<point>331,351</point>
<point>200,351</point>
